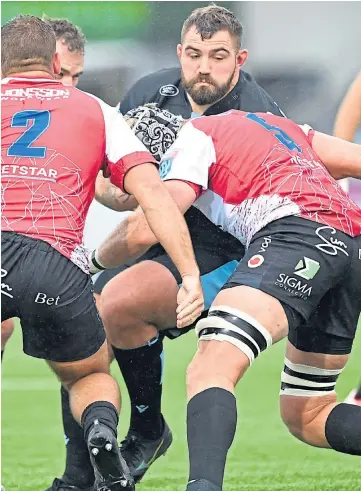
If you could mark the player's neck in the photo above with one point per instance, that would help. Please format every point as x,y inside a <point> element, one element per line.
<point>197,109</point>
<point>31,74</point>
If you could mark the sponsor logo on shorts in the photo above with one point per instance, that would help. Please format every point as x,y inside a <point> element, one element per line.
<point>294,286</point>
<point>307,268</point>
<point>43,298</point>
<point>169,90</point>
<point>330,245</point>
<point>5,288</point>
<point>266,242</point>
<point>255,261</point>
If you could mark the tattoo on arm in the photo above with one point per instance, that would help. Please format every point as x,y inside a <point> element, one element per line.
<point>115,199</point>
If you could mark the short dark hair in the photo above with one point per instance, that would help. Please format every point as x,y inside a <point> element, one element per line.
<point>68,32</point>
<point>211,19</point>
<point>27,43</point>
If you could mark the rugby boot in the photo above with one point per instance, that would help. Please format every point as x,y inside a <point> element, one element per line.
<point>140,453</point>
<point>202,485</point>
<point>60,485</point>
<point>110,469</point>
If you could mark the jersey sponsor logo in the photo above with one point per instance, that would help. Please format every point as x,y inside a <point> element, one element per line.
<point>35,92</point>
<point>26,172</point>
<point>331,245</point>
<point>307,268</point>
<point>169,90</point>
<point>5,288</point>
<point>294,286</point>
<point>314,164</point>
<point>255,261</point>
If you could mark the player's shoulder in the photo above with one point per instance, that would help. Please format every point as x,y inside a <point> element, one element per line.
<point>254,98</point>
<point>161,79</point>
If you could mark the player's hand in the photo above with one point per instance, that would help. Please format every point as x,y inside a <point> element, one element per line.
<point>190,300</point>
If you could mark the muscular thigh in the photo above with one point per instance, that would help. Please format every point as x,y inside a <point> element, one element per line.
<point>284,261</point>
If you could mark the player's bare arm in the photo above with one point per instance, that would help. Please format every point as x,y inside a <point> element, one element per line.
<point>349,114</point>
<point>111,196</point>
<point>342,158</point>
<point>133,236</point>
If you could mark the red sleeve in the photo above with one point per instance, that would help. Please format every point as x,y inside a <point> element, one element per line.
<point>119,169</point>
<point>196,188</point>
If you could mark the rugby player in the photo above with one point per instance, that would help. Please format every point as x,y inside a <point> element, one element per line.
<point>264,179</point>
<point>70,45</point>
<point>49,168</point>
<point>140,302</point>
<point>348,121</point>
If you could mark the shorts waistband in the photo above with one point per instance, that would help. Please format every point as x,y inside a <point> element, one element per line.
<point>24,240</point>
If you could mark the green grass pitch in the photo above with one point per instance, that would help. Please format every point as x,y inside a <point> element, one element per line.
<point>263,457</point>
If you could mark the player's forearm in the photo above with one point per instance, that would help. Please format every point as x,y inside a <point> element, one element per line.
<point>347,121</point>
<point>168,225</point>
<point>349,114</point>
<point>342,158</point>
<point>115,199</point>
<point>129,240</point>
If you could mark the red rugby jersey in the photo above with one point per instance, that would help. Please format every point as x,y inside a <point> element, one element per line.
<point>54,141</point>
<point>251,169</point>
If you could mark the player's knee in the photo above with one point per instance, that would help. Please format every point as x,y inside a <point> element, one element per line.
<point>7,328</point>
<point>305,392</point>
<point>117,309</point>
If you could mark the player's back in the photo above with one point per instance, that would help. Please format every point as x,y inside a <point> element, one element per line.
<point>53,144</point>
<point>265,165</point>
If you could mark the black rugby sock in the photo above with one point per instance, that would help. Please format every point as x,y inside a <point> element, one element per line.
<point>343,429</point>
<point>142,370</point>
<point>78,469</point>
<point>102,411</point>
<point>2,354</point>
<point>211,425</point>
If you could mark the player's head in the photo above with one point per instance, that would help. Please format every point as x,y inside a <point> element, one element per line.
<point>210,53</point>
<point>28,44</point>
<point>156,128</point>
<point>70,44</point>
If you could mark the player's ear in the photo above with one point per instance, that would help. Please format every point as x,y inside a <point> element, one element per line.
<point>179,50</point>
<point>56,64</point>
<point>242,57</point>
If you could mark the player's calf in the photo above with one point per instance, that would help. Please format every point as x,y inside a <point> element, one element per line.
<point>95,404</point>
<point>231,337</point>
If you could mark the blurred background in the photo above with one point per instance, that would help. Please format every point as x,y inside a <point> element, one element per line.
<point>302,53</point>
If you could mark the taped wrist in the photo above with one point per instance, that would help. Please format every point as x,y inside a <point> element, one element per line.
<point>95,265</point>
